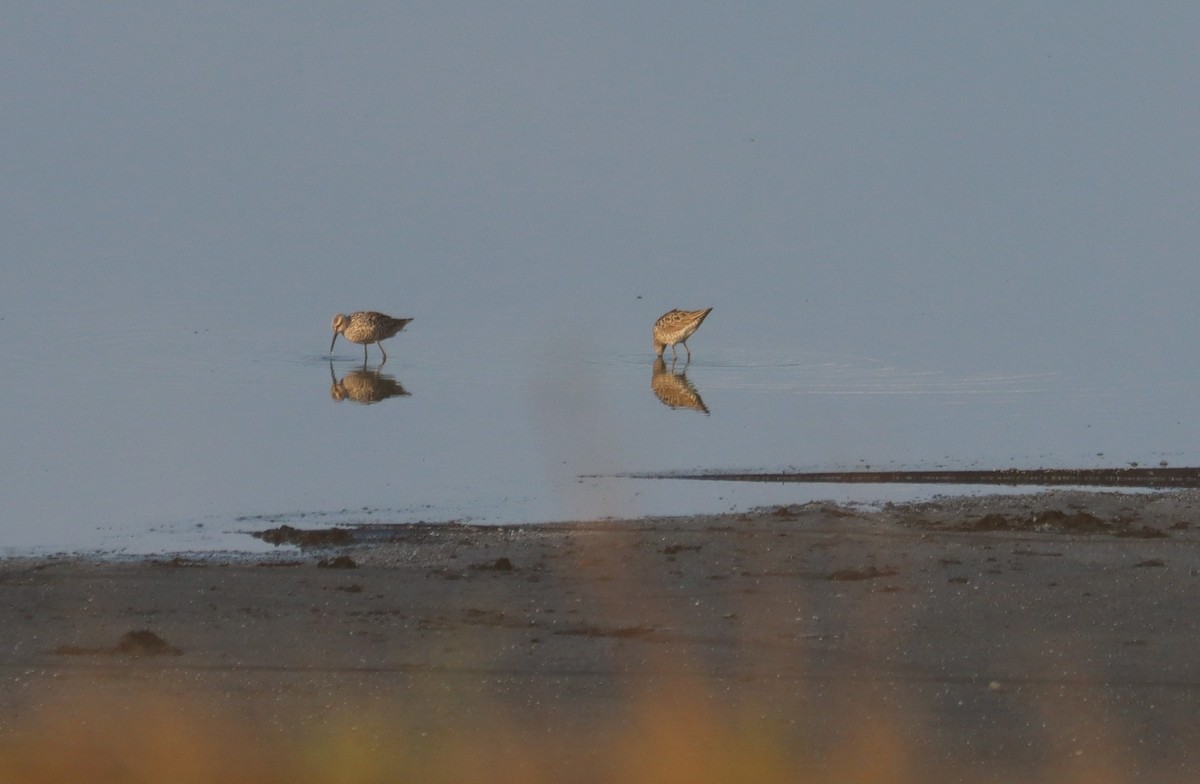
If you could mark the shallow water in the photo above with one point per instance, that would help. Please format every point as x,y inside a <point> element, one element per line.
<point>180,432</point>
<point>911,263</point>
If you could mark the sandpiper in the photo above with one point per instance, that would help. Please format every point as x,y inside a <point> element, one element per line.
<point>677,326</point>
<point>366,327</point>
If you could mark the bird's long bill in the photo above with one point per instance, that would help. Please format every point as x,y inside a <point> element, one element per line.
<point>332,342</point>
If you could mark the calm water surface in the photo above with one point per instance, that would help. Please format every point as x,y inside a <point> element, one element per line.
<point>189,425</point>
<point>930,239</point>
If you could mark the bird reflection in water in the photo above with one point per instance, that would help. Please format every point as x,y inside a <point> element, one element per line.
<point>365,386</point>
<point>673,388</point>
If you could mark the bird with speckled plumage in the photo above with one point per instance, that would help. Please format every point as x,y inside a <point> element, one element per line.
<point>366,327</point>
<point>677,326</point>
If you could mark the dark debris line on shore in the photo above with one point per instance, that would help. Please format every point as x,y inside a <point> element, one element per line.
<point>1157,478</point>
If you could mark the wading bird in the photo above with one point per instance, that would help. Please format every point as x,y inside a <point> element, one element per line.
<point>366,327</point>
<point>677,326</point>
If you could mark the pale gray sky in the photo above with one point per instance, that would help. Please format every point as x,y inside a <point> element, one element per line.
<point>1024,172</point>
<point>891,207</point>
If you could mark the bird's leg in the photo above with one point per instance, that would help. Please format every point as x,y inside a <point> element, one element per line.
<point>688,350</point>
<point>674,353</point>
<point>364,354</point>
<point>381,351</point>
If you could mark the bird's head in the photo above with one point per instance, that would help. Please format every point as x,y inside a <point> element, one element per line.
<point>340,322</point>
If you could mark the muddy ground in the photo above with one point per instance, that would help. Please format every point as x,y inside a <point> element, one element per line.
<point>997,635</point>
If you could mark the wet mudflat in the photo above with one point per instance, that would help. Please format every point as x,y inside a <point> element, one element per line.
<point>1130,477</point>
<point>1008,637</point>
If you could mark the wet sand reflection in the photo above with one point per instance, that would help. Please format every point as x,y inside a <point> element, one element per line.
<point>673,389</point>
<point>365,386</point>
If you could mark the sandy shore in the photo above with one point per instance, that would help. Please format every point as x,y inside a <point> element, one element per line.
<point>1001,638</point>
